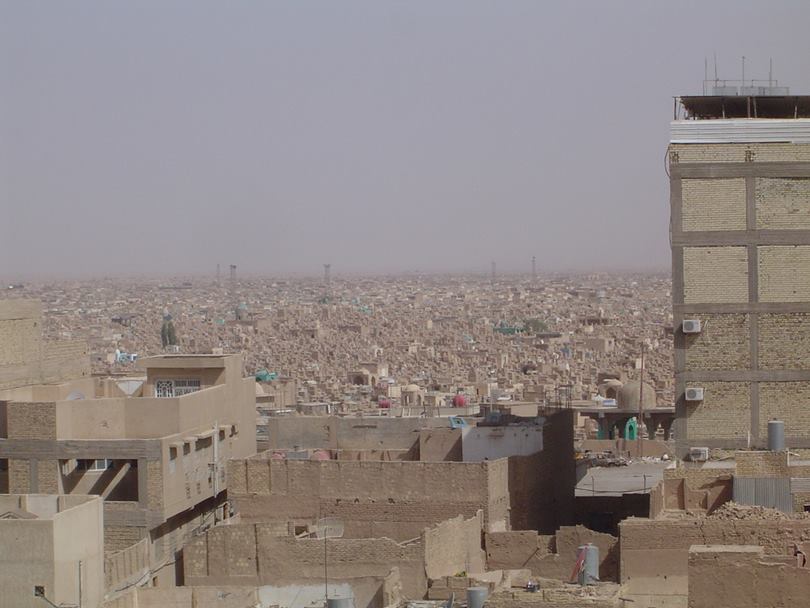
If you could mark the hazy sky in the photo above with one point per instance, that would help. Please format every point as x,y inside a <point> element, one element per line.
<point>165,137</point>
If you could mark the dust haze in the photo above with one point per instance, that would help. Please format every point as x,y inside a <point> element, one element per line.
<point>166,137</point>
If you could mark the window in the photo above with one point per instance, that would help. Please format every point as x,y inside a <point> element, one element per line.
<point>100,464</point>
<point>203,443</point>
<point>184,387</point>
<point>164,388</point>
<point>176,388</point>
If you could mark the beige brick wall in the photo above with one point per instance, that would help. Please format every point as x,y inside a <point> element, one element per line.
<point>736,153</point>
<point>787,401</point>
<point>784,273</point>
<point>784,341</point>
<point>66,360</point>
<point>48,476</point>
<point>761,464</point>
<point>154,483</point>
<point>118,538</point>
<point>725,412</point>
<point>32,420</point>
<point>19,341</point>
<point>715,274</point>
<point>722,344</point>
<point>713,204</point>
<point>783,203</point>
<point>18,477</point>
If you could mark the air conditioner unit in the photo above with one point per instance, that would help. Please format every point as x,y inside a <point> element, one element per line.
<point>694,394</point>
<point>698,454</point>
<point>691,326</point>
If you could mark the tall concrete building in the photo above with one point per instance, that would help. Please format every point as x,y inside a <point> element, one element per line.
<point>739,165</point>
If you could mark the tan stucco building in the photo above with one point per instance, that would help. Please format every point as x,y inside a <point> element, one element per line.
<point>52,546</point>
<point>154,448</point>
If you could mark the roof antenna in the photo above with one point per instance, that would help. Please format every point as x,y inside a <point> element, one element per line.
<point>715,68</point>
<point>705,72</point>
<point>770,71</point>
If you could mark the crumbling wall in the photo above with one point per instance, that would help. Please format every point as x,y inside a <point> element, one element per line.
<point>454,546</point>
<point>254,554</point>
<point>373,499</point>
<point>551,556</point>
<point>697,488</point>
<point>744,577</point>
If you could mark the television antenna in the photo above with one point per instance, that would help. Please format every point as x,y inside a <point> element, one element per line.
<point>326,528</point>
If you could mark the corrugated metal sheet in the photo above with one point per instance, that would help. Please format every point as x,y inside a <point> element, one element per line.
<point>764,492</point>
<point>799,484</point>
<point>740,130</point>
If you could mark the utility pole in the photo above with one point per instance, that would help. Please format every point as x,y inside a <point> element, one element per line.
<point>640,405</point>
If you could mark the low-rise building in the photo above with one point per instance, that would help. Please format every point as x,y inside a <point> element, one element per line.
<point>51,549</point>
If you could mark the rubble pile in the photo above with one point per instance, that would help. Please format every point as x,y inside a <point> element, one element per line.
<point>734,511</point>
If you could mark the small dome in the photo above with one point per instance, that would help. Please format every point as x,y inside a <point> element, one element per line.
<point>628,396</point>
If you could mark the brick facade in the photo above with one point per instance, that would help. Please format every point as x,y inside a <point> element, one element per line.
<point>715,274</point>
<point>713,204</point>
<point>721,344</point>
<point>741,265</point>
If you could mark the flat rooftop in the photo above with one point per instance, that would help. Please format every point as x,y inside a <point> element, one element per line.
<point>639,477</point>
<point>184,361</point>
<point>39,506</point>
<point>708,107</point>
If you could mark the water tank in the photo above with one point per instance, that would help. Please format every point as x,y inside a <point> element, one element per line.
<point>476,596</point>
<point>589,556</point>
<point>340,602</point>
<point>776,435</point>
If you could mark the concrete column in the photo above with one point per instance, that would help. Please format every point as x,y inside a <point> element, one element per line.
<point>604,429</point>
<point>667,426</point>
<point>143,486</point>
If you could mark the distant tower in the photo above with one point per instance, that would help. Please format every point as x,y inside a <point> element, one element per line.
<point>534,267</point>
<point>327,282</point>
<point>233,273</point>
<point>493,270</point>
<point>218,275</point>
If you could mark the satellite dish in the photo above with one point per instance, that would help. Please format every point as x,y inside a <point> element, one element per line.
<point>329,527</point>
